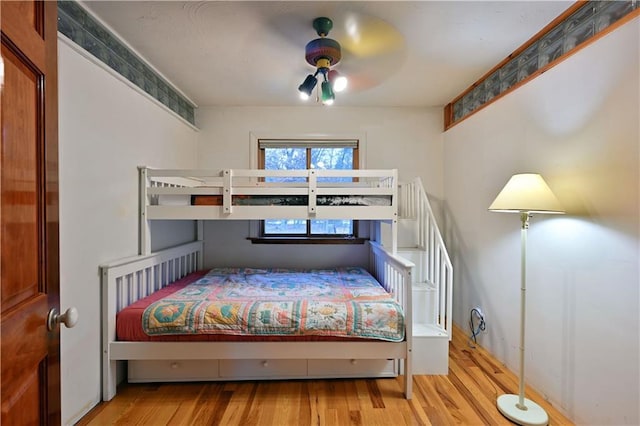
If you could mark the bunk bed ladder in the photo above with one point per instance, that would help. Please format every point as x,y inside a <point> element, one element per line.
<point>434,272</point>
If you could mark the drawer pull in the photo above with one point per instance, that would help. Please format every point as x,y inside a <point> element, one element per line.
<point>265,363</point>
<point>354,361</point>
<point>175,365</point>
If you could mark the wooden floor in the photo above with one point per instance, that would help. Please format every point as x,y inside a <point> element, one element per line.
<point>465,396</point>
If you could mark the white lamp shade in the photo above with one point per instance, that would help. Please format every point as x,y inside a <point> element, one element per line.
<point>526,192</point>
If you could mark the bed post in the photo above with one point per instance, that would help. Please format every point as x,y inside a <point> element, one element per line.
<point>394,235</point>
<point>226,194</point>
<point>144,242</point>
<point>200,238</point>
<point>408,311</point>
<point>312,181</point>
<point>396,275</point>
<point>109,367</point>
<point>394,221</point>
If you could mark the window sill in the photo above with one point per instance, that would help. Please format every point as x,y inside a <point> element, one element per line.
<point>305,240</point>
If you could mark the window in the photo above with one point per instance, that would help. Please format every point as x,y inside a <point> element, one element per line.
<point>299,154</point>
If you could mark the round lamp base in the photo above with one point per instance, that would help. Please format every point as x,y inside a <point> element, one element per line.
<point>534,415</point>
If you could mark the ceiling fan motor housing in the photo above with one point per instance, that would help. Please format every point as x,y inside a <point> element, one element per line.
<point>323,48</point>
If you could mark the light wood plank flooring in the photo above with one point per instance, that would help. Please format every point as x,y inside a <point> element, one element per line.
<point>465,396</point>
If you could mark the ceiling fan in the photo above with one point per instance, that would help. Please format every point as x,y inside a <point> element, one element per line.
<point>322,53</point>
<point>373,51</point>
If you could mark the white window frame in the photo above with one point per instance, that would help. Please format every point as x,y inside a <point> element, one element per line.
<point>254,149</point>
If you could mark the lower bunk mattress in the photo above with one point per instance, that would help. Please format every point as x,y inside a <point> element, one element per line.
<point>248,304</point>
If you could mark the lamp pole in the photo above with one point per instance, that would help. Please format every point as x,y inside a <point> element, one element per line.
<point>516,407</point>
<point>524,218</point>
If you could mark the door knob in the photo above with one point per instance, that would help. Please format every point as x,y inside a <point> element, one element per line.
<point>69,318</point>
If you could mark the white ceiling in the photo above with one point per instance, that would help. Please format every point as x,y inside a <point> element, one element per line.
<point>395,53</point>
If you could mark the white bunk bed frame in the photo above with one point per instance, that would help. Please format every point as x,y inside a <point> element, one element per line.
<point>180,185</point>
<point>128,280</point>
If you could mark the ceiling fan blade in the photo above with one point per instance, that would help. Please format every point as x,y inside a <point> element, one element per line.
<point>368,72</point>
<point>372,48</point>
<point>364,36</point>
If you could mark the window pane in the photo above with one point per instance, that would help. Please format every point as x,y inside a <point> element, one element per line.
<point>285,159</point>
<point>332,159</point>
<point>285,226</point>
<point>332,227</point>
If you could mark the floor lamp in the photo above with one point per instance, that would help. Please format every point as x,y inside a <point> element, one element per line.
<point>524,194</point>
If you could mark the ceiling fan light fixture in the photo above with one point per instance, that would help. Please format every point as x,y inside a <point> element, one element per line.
<point>327,93</point>
<point>338,81</point>
<point>307,86</point>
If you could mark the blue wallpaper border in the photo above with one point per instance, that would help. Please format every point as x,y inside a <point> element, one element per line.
<point>80,27</point>
<point>586,22</point>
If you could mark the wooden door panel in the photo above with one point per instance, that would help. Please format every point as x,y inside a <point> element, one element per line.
<point>24,306</point>
<point>29,267</point>
<point>31,11</point>
<point>22,402</point>
<point>24,363</point>
<point>27,28</point>
<point>20,209</point>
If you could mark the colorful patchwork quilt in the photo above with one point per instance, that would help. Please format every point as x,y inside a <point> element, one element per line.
<point>341,302</point>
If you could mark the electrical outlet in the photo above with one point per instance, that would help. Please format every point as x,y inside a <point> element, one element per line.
<point>479,313</point>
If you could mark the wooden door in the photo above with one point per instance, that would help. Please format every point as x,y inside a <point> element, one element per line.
<point>30,364</point>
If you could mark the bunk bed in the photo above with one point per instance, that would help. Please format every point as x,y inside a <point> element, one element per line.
<point>134,283</point>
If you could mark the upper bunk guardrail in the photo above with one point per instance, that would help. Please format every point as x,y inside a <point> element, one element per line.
<point>229,182</point>
<point>325,194</point>
<point>197,177</point>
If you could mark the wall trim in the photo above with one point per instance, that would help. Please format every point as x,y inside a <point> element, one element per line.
<point>64,39</point>
<point>580,25</point>
<point>106,46</point>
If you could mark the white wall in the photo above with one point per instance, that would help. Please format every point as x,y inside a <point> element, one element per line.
<point>409,139</point>
<point>106,130</point>
<point>577,125</point>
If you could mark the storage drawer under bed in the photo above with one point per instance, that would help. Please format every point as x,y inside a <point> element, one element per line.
<point>351,368</point>
<point>173,370</point>
<point>141,371</point>
<point>259,368</point>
